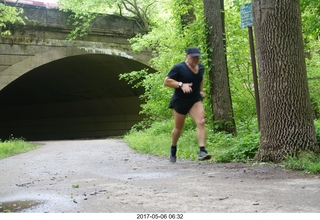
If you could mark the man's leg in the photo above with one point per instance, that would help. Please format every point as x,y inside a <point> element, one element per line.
<point>176,132</point>
<point>178,126</point>
<point>197,113</point>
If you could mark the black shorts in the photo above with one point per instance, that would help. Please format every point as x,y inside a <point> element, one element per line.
<point>183,106</point>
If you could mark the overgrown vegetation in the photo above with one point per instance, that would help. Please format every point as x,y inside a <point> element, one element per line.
<point>15,146</point>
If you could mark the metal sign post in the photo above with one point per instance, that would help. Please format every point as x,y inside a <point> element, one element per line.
<point>247,21</point>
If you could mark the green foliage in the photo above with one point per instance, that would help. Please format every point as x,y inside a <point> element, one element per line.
<point>244,149</point>
<point>144,140</point>
<point>311,31</point>
<point>223,147</point>
<point>317,125</point>
<point>92,6</point>
<point>15,146</point>
<point>82,23</point>
<point>168,42</point>
<point>310,15</point>
<point>9,15</point>
<point>305,161</point>
<point>156,96</point>
<point>313,66</point>
<point>84,12</point>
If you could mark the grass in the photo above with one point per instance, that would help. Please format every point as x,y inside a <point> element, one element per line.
<point>157,140</point>
<point>306,162</point>
<point>15,146</point>
<point>225,148</point>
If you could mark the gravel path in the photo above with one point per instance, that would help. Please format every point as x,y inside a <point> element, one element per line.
<point>106,176</point>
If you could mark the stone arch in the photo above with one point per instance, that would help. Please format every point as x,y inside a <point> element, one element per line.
<point>32,62</point>
<point>40,101</point>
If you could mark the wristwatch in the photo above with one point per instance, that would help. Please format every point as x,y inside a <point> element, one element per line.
<point>180,84</point>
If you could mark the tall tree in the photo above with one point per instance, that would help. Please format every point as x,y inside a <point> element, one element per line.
<point>287,125</point>
<point>218,73</point>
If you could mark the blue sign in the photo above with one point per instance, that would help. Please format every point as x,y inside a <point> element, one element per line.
<point>246,15</point>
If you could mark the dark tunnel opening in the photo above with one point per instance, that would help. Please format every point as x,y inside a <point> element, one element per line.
<point>77,97</point>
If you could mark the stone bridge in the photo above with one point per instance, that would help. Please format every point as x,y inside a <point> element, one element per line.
<point>53,88</point>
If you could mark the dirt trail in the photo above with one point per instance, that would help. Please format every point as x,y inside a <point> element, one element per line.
<point>106,176</point>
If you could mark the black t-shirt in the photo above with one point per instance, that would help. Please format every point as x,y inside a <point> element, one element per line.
<point>181,73</point>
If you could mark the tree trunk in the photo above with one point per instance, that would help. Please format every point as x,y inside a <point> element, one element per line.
<point>218,73</point>
<point>287,125</point>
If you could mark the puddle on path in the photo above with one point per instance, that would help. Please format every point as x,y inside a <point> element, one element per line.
<point>17,206</point>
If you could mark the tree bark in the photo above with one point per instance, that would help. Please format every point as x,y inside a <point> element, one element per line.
<point>218,72</point>
<point>287,126</point>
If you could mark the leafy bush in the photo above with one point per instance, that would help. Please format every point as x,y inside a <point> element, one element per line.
<point>243,149</point>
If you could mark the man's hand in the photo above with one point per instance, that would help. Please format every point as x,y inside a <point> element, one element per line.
<point>202,94</point>
<point>186,87</point>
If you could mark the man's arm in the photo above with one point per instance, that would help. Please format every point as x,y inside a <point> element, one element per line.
<point>171,83</point>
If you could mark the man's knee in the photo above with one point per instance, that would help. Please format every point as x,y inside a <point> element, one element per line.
<point>201,122</point>
<point>177,131</point>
